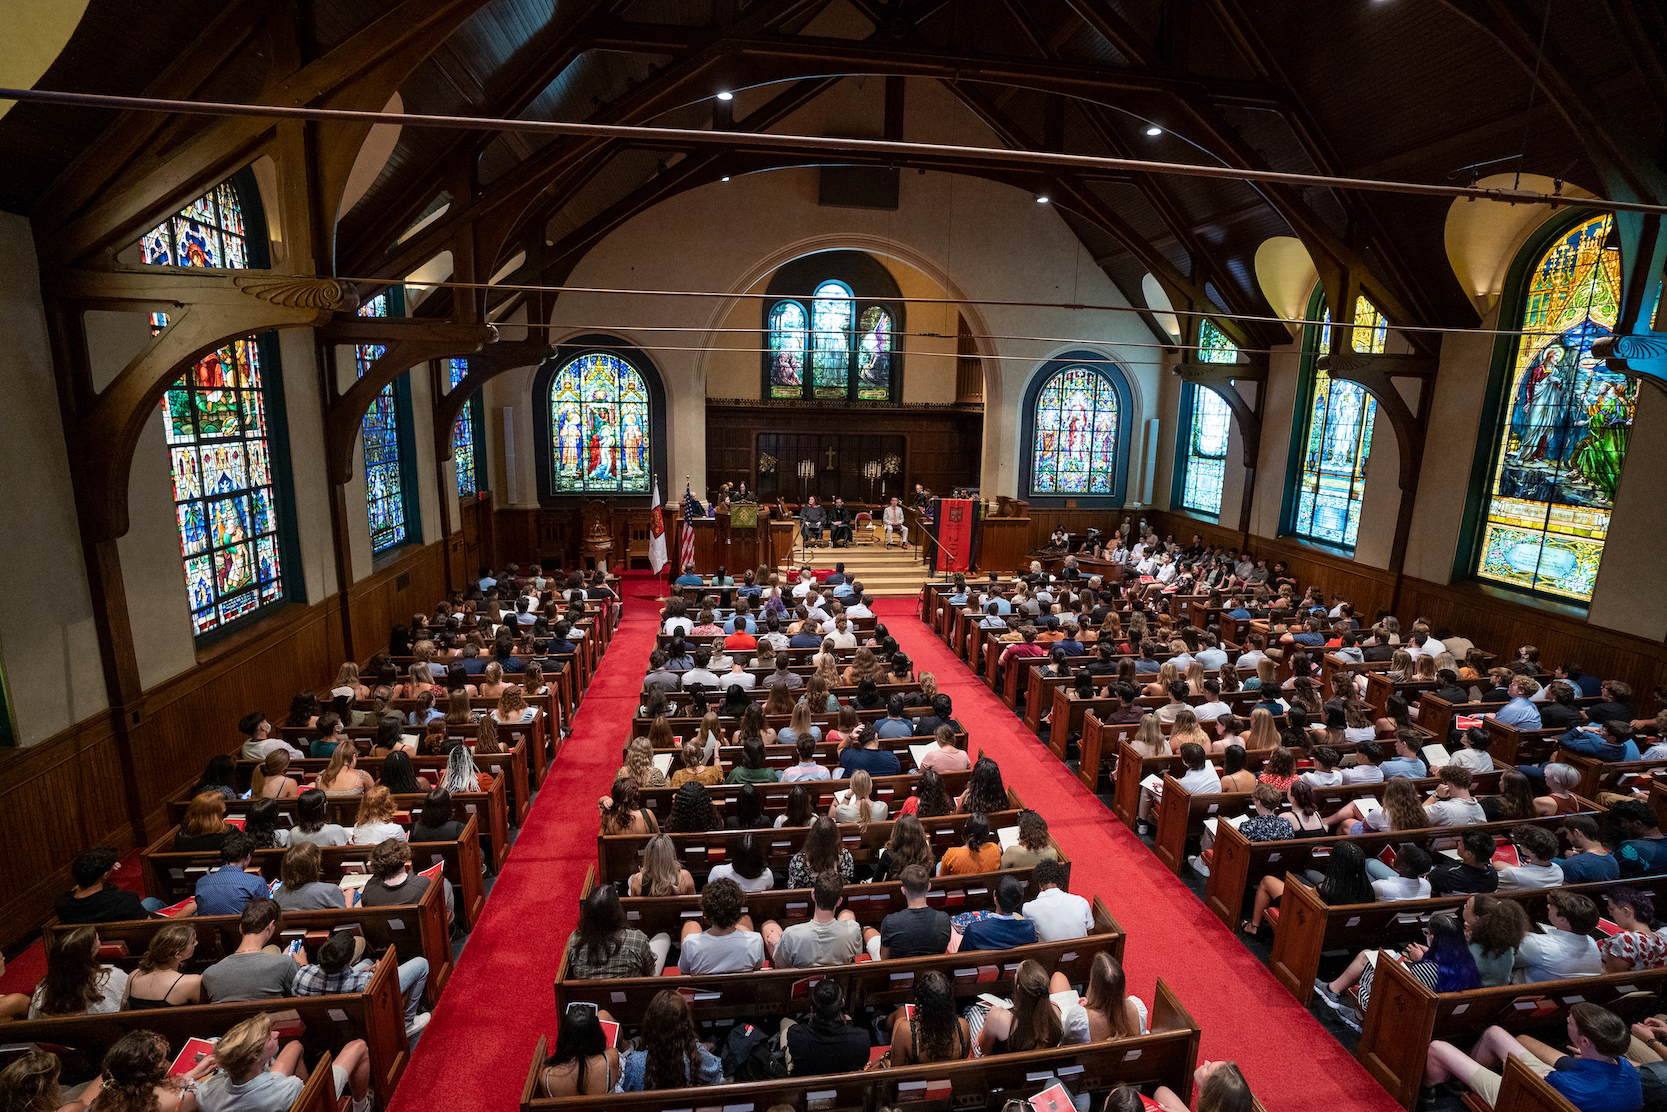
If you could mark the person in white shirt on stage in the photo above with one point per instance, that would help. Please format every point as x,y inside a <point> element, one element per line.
<point>891,518</point>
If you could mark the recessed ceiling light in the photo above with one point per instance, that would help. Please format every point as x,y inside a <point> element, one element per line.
<point>1041,198</point>
<point>726,177</point>
<point>1154,130</point>
<point>726,95</point>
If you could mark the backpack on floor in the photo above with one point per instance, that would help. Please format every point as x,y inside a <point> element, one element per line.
<point>751,1055</point>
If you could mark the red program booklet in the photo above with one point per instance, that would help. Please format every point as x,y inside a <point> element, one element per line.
<point>194,1051</point>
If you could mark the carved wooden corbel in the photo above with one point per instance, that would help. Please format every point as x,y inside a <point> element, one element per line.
<point>1219,379</point>
<point>406,343</point>
<point>491,361</point>
<point>1376,374</point>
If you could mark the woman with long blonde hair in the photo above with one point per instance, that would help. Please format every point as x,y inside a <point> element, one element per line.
<point>661,874</point>
<point>857,803</point>
<point>1112,1012</point>
<point>269,782</point>
<point>862,667</point>
<point>817,698</point>
<point>639,765</point>
<point>1400,667</point>
<point>492,684</point>
<point>1167,674</point>
<point>1149,740</point>
<point>1263,734</point>
<point>348,676</point>
<point>343,776</point>
<point>928,684</point>
<point>1185,729</point>
<point>1195,678</point>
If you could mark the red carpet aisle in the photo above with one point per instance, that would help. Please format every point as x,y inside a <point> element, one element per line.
<point>476,1051</point>
<point>1292,1062</point>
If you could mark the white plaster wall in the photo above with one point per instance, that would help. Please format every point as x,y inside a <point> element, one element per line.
<point>49,653</point>
<point>309,478</point>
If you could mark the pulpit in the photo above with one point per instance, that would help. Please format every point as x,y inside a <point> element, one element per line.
<point>738,538</point>
<point>598,540</point>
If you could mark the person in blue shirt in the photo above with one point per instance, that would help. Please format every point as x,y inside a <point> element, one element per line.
<point>868,756</point>
<point>1001,929</point>
<point>1590,861</point>
<point>228,888</point>
<point>894,724</point>
<point>689,578</point>
<point>1309,635</point>
<point>1406,761</point>
<point>838,576</point>
<point>742,618</point>
<point>750,587</point>
<point>1003,607</point>
<point>1520,712</point>
<point>1069,643</point>
<point>1606,742</point>
<point>1644,852</point>
<point>993,619</point>
<point>1148,663</point>
<point>1239,612</point>
<point>1589,686</point>
<point>1594,1078</point>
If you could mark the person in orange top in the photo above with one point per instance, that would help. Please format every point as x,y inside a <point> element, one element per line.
<point>980,854</point>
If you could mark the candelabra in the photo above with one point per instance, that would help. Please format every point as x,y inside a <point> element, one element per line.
<point>872,471</point>
<point>807,472</point>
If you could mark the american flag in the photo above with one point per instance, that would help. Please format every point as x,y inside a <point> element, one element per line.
<point>691,510</point>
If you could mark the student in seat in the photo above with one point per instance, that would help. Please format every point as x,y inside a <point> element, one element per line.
<point>341,966</point>
<point>581,1063</point>
<point>95,897</point>
<point>826,1043</point>
<point>1537,848</point>
<point>935,1032</point>
<point>1472,872</point>
<point>1453,804</point>
<point>1410,879</point>
<point>1035,1021</point>
<point>1594,1078</point>
<point>1443,963</point>
<point>256,970</point>
<point>76,982</point>
<point>1057,913</point>
<point>661,873</point>
<point>829,937</point>
<point>1567,949</point>
<point>980,853</point>
<point>1644,850</point>
<point>1001,929</point>
<point>257,1075</point>
<point>919,930</point>
<point>1636,947</point>
<point>728,944</point>
<point>605,945</point>
<point>1590,860</point>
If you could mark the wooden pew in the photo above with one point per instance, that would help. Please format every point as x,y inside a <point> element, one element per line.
<point>412,929</point>
<point>883,984</point>
<point>511,767</point>
<point>171,876</point>
<point>1067,717</point>
<point>494,833</point>
<point>1167,1056</point>
<point>780,756</point>
<point>1403,1016</point>
<point>620,855</point>
<point>1523,1090</point>
<point>376,1015</point>
<point>890,790</point>
<point>1607,776</point>
<point>1240,865</point>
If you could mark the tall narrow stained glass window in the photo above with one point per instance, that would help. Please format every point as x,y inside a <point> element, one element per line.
<point>1337,440</point>
<point>599,427</point>
<point>384,476</point>
<point>463,435</point>
<point>208,232</point>
<point>1208,426</point>
<point>1074,450</point>
<point>214,420</point>
<point>845,344</point>
<point>1564,426</point>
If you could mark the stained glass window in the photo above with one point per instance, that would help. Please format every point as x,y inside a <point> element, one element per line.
<point>599,426</point>
<point>214,420</point>
<point>1337,440</point>
<point>1074,450</point>
<point>463,435</point>
<point>1563,428</point>
<point>384,476</point>
<point>849,345</point>
<point>1208,424</point>
<point>208,232</point>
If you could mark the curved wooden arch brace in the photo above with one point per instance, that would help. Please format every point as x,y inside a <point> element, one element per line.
<point>1218,378</point>
<point>406,343</point>
<point>491,361</point>
<point>206,311</point>
<point>1375,375</point>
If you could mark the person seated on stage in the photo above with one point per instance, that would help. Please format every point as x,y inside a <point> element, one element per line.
<point>1596,1077</point>
<point>839,523</point>
<point>812,520</point>
<point>891,520</point>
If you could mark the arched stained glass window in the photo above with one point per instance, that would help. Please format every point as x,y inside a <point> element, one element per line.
<point>599,427</point>
<point>1336,440</point>
<point>1563,425</point>
<point>850,343</point>
<point>1209,422</point>
<point>384,473</point>
<point>463,434</point>
<point>1074,447</point>
<point>208,232</point>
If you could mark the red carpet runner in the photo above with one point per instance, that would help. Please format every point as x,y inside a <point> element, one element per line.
<point>1292,1062</point>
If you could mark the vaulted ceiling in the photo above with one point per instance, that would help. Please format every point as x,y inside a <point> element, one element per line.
<point>1410,90</point>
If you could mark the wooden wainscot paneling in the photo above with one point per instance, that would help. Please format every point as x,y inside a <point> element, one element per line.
<point>1004,544</point>
<point>57,798</point>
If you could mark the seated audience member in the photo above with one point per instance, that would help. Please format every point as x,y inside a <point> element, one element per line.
<point>301,889</point>
<point>857,804</point>
<point>661,873</point>
<point>1635,947</point>
<point>826,1043</point>
<point>1443,963</point>
<point>1200,778</point>
<point>374,822</point>
<point>225,890</point>
<point>867,755</point>
<point>1496,928</point>
<point>1567,949</point>
<point>256,970</point>
<point>1410,880</point>
<point>581,1063</point>
<point>1472,872</point>
<point>203,828</point>
<point>310,810</point>
<point>945,756</point>
<point>1470,749</point>
<point>829,937</point>
<point>605,945</point>
<point>1057,913</point>
<point>258,730</point>
<point>29,1083</point>
<point>1520,712</point>
<point>437,821</point>
<point>1561,782</point>
<point>1453,804</point>
<point>807,768</point>
<point>1266,824</point>
<point>908,845</point>
<point>933,1030</point>
<point>1033,844</point>
<point>256,1075</point>
<point>1112,1012</point>
<point>918,930</point>
<point>753,768</point>
<point>746,866</point>
<point>822,852</point>
<point>95,897</point>
<point>979,853</point>
<point>159,981</point>
<point>1401,809</point>
<point>1368,766</point>
<point>134,1075</point>
<point>1514,801</point>
<point>76,982</point>
<point>1537,848</point>
<point>728,944</point>
<point>392,880</point>
<point>342,967</point>
<point>1594,1078</point>
<point>1035,1021</point>
<point>1589,859</point>
<point>1001,929</point>
<point>1643,850</point>
<point>1406,761</point>
<point>985,791</point>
